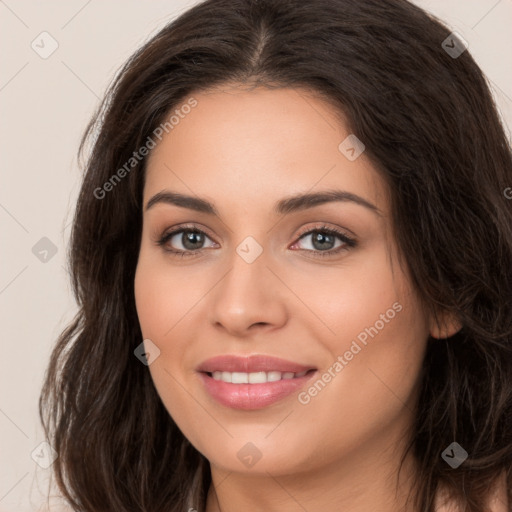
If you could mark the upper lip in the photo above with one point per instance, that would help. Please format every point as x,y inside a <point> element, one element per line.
<point>251,364</point>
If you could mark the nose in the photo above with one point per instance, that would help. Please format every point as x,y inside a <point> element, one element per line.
<point>249,298</point>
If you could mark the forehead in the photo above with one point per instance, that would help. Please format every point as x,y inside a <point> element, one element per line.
<point>257,146</point>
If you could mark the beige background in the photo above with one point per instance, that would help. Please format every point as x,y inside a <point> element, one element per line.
<point>45,105</point>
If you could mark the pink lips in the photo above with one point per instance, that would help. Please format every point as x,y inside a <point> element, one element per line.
<point>256,363</point>
<point>251,396</point>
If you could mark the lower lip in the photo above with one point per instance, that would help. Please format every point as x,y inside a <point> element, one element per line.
<point>252,396</point>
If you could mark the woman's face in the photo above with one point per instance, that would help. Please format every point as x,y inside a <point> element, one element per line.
<point>256,279</point>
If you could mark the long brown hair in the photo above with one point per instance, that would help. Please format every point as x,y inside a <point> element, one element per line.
<point>429,125</point>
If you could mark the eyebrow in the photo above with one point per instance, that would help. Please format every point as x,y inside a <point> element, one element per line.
<point>284,206</point>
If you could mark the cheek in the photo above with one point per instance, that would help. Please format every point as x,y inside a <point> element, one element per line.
<point>379,330</point>
<point>375,382</point>
<point>356,296</point>
<point>162,296</point>
<point>150,300</point>
<point>162,301</point>
<point>166,300</point>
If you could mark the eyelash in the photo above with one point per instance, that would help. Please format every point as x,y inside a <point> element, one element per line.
<point>348,242</point>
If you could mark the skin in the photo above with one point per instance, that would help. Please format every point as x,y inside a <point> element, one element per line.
<point>243,151</point>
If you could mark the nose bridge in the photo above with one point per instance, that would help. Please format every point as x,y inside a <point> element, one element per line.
<point>248,270</point>
<point>246,294</point>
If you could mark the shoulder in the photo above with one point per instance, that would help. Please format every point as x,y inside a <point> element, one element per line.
<point>498,500</point>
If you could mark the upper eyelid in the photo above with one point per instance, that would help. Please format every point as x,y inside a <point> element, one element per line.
<point>179,229</point>
<point>324,227</point>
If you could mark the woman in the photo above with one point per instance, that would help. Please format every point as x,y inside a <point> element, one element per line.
<point>291,254</point>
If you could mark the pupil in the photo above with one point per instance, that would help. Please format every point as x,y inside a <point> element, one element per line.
<point>192,237</point>
<point>322,238</point>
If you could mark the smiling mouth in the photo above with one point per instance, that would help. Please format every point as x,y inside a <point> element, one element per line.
<point>256,377</point>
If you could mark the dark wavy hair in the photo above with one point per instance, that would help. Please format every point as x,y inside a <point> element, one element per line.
<point>432,130</point>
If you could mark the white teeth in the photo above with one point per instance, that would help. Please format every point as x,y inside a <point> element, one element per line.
<point>239,378</point>
<point>255,377</point>
<point>273,376</point>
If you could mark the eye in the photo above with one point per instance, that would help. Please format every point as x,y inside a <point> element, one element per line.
<point>323,241</point>
<point>190,238</point>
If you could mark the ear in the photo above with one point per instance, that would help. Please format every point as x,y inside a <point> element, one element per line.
<point>444,324</point>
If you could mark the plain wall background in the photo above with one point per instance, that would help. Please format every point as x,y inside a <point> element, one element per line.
<point>45,105</point>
